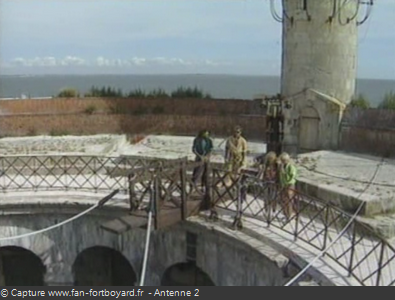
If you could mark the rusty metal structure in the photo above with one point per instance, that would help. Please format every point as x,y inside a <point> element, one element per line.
<point>165,188</point>
<point>274,106</point>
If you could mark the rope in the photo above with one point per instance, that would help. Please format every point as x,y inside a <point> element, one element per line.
<point>50,227</point>
<point>147,243</point>
<point>340,234</point>
<point>99,204</point>
<point>345,178</point>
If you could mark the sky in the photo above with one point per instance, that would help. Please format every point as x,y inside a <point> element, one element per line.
<point>165,37</point>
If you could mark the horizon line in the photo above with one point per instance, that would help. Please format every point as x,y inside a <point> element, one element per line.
<point>176,74</point>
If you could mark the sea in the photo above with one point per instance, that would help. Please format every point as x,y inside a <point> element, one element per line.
<point>219,86</point>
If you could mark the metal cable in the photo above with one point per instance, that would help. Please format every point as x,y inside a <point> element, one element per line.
<point>147,242</point>
<point>147,245</point>
<point>368,12</point>
<point>367,29</point>
<point>15,237</point>
<point>345,178</point>
<point>340,234</point>
<point>274,13</point>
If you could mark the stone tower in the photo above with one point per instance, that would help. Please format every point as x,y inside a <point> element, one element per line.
<point>319,62</point>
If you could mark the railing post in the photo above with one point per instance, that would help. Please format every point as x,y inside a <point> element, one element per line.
<point>156,200</point>
<point>326,227</point>
<point>65,172</point>
<point>95,174</point>
<point>237,223</point>
<point>2,173</point>
<point>211,207</point>
<point>207,186</point>
<point>354,234</point>
<point>295,207</point>
<point>183,179</point>
<point>35,184</point>
<point>267,202</point>
<point>380,263</point>
<point>132,194</point>
<point>273,192</point>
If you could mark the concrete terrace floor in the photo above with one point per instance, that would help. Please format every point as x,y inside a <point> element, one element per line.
<point>161,146</point>
<point>358,177</point>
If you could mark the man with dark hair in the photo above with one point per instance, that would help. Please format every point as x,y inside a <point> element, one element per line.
<point>202,148</point>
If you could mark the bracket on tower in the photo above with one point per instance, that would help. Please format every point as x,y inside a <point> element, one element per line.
<point>277,17</point>
<point>337,7</point>
<point>368,11</point>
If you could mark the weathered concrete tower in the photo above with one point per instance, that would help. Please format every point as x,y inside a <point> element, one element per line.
<point>319,63</point>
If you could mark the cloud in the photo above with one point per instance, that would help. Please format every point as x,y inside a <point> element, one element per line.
<point>48,61</point>
<point>103,62</point>
<point>72,61</point>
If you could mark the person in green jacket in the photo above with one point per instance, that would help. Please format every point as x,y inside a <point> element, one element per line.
<point>288,177</point>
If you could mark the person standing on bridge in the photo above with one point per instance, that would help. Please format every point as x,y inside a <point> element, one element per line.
<point>288,174</point>
<point>268,172</point>
<point>268,169</point>
<point>202,148</point>
<point>235,154</point>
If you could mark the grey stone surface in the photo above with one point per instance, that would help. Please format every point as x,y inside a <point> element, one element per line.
<point>383,225</point>
<point>319,64</point>
<point>317,53</point>
<point>226,259</point>
<point>346,180</point>
<point>47,145</point>
<point>312,122</point>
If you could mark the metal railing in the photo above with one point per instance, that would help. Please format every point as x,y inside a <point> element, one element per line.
<point>66,173</point>
<point>169,181</point>
<point>363,254</point>
<point>170,188</point>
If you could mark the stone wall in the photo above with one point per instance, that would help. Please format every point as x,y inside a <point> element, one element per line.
<point>370,131</point>
<point>86,116</point>
<point>80,124</point>
<point>379,142</point>
<point>130,106</point>
<point>224,259</point>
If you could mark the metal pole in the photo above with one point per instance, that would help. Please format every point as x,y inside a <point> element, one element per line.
<point>207,190</point>
<point>183,175</point>
<point>295,208</point>
<point>350,266</point>
<point>380,264</point>
<point>237,224</point>
<point>326,229</point>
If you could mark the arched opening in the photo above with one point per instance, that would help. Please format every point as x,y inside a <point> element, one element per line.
<point>101,266</point>
<point>309,130</point>
<point>186,274</point>
<point>20,267</point>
